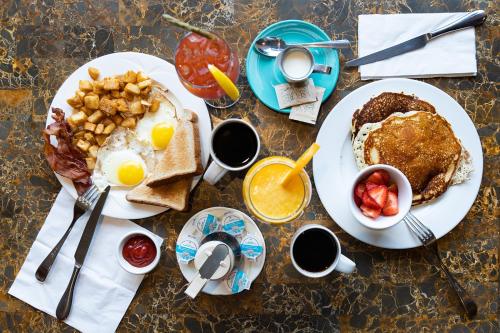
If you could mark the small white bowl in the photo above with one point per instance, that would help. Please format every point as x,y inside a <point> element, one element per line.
<point>124,263</point>
<point>405,196</point>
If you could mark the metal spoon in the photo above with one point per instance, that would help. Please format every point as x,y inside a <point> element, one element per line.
<point>272,46</point>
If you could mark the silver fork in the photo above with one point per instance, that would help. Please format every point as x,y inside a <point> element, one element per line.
<point>82,204</point>
<point>426,236</point>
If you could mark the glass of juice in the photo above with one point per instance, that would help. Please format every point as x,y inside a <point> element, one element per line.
<point>193,55</point>
<point>268,199</point>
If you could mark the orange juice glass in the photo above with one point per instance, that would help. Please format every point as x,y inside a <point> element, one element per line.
<point>268,199</point>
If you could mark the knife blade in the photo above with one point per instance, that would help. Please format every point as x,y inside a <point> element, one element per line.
<point>64,306</point>
<point>468,20</point>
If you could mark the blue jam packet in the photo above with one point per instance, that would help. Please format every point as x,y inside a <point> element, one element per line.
<point>251,248</point>
<point>206,223</point>
<point>233,224</point>
<point>186,249</point>
<point>238,281</point>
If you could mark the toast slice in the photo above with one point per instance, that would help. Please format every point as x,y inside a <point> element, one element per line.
<point>182,157</point>
<point>174,195</point>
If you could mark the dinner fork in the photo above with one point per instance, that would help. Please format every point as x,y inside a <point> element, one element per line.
<point>83,202</point>
<point>426,236</point>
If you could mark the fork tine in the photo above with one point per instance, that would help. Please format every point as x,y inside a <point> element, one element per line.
<point>93,197</point>
<point>428,233</point>
<point>91,190</point>
<point>413,228</point>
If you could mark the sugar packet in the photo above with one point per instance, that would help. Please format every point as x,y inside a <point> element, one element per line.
<point>290,95</point>
<point>308,113</point>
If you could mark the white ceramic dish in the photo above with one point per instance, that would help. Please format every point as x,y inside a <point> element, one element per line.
<point>124,263</point>
<point>404,198</point>
<point>163,72</point>
<point>251,268</point>
<point>334,166</point>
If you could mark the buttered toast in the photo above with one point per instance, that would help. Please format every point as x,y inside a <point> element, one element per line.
<point>174,195</point>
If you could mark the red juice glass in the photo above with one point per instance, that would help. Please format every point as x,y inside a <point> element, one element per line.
<point>193,55</point>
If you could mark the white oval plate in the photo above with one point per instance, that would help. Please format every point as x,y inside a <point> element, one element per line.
<point>251,268</point>
<point>334,166</point>
<point>118,63</point>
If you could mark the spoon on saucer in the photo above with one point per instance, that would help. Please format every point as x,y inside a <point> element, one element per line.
<point>272,46</point>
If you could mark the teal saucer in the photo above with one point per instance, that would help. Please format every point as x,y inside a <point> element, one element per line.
<point>263,73</point>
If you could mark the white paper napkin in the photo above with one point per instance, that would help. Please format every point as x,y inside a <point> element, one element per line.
<point>450,55</point>
<point>103,290</point>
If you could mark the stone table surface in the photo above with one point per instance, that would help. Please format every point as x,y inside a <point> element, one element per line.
<point>42,42</point>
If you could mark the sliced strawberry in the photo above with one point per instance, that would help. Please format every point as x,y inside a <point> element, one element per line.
<point>370,212</point>
<point>359,190</point>
<point>385,176</point>
<point>369,186</point>
<point>379,194</point>
<point>369,202</point>
<point>391,206</point>
<point>393,188</point>
<point>375,178</point>
<point>357,200</point>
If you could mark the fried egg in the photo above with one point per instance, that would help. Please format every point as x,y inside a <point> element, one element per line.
<point>123,160</point>
<point>157,128</point>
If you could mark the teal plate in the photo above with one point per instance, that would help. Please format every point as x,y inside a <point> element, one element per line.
<point>263,73</point>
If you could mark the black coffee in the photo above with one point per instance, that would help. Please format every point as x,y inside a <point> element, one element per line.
<point>235,144</point>
<point>315,250</point>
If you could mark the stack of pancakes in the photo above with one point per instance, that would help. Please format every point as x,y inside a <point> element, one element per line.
<point>407,133</point>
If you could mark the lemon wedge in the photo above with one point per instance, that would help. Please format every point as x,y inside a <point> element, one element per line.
<point>224,82</point>
<point>301,163</point>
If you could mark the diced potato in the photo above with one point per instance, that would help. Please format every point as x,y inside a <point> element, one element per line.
<point>111,83</point>
<point>115,94</point>
<point>145,103</point>
<point>133,89</point>
<point>128,122</point>
<point>117,119</point>
<point>99,129</point>
<point>88,112</point>
<point>91,102</point>
<point>72,124</point>
<point>121,105</point>
<point>144,84</point>
<point>74,102</point>
<point>130,77</point>
<point>93,151</point>
<point>83,145</point>
<point>155,104</point>
<point>107,121</point>
<point>100,139</point>
<point>88,126</point>
<point>108,106</point>
<point>145,92</point>
<point>90,162</point>
<point>78,118</point>
<point>80,94</point>
<point>136,107</point>
<point>141,77</point>
<point>108,129</point>
<point>79,134</point>
<point>94,73</point>
<point>98,87</point>
<point>89,137</point>
<point>85,85</point>
<point>95,117</point>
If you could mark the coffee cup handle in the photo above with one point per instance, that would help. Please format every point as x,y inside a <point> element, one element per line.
<point>214,173</point>
<point>322,69</point>
<point>345,265</point>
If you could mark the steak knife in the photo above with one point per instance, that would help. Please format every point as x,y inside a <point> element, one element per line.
<point>64,306</point>
<point>468,20</point>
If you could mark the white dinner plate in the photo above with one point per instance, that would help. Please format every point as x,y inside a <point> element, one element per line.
<point>252,268</point>
<point>158,69</point>
<point>334,167</point>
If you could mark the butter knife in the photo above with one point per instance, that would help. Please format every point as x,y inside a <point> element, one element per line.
<point>468,20</point>
<point>64,306</point>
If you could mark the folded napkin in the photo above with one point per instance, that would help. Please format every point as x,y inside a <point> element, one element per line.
<point>449,55</point>
<point>103,290</point>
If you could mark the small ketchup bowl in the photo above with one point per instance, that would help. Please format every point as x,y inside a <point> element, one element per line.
<point>137,253</point>
<point>405,197</point>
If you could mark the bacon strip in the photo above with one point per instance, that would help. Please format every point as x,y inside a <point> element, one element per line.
<point>65,159</point>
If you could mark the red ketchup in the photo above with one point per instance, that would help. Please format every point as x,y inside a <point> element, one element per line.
<point>139,251</point>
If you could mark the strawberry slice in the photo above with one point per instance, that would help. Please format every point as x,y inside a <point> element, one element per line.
<point>391,206</point>
<point>369,186</point>
<point>393,188</point>
<point>359,190</point>
<point>379,195</point>
<point>357,201</point>
<point>370,212</point>
<point>375,178</point>
<point>385,176</point>
<point>369,202</point>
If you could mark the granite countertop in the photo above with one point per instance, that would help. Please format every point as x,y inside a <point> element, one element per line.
<point>42,42</point>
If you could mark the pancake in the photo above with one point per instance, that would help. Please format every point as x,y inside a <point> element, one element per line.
<point>420,144</point>
<point>385,104</point>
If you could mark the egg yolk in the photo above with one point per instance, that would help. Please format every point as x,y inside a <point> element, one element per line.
<point>161,135</point>
<point>130,173</point>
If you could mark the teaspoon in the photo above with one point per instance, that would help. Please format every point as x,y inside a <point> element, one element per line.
<point>272,46</point>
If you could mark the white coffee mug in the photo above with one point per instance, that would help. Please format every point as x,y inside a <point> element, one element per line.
<point>217,168</point>
<point>341,263</point>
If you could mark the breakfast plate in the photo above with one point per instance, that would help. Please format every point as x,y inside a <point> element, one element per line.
<point>263,73</point>
<point>161,71</point>
<point>334,166</point>
<point>251,268</point>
